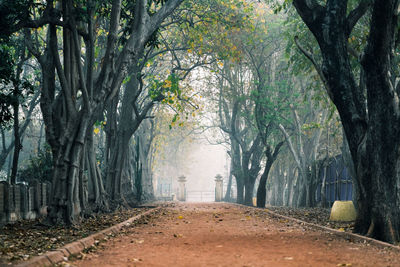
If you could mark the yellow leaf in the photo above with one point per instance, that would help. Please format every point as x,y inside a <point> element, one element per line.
<point>341,229</point>
<point>180,217</point>
<point>96,130</point>
<point>167,84</point>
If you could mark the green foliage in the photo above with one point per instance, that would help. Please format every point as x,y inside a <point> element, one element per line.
<point>39,167</point>
<point>13,12</point>
<point>212,26</point>
<point>167,91</point>
<point>13,89</point>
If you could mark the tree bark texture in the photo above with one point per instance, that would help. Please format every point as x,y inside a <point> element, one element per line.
<point>130,120</point>
<point>262,190</point>
<point>372,136</point>
<point>70,112</point>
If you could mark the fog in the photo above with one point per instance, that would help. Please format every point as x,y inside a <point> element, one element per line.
<point>205,162</point>
<point>200,164</point>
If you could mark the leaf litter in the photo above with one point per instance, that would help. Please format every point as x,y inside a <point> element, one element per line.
<point>319,216</point>
<point>21,240</point>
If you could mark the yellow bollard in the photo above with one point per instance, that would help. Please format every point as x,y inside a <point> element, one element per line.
<point>254,201</point>
<point>343,211</point>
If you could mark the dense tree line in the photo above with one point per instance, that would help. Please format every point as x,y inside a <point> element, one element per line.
<point>287,92</point>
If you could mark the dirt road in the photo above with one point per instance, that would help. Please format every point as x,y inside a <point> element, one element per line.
<point>228,235</point>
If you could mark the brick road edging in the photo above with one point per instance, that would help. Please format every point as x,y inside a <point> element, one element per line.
<point>345,235</point>
<point>53,257</point>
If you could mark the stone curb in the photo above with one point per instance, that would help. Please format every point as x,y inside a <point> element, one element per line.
<point>345,235</point>
<point>53,257</point>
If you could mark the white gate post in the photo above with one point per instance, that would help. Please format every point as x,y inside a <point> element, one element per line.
<point>182,188</point>
<point>218,188</point>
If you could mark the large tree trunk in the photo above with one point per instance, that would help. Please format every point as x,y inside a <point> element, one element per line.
<point>239,190</point>
<point>96,193</point>
<point>146,137</point>
<point>302,192</point>
<point>249,189</point>
<point>128,124</point>
<point>295,188</point>
<point>262,186</point>
<point>65,204</point>
<point>228,193</point>
<point>383,177</point>
<point>261,190</point>
<point>324,202</point>
<point>373,135</point>
<point>17,139</point>
<point>69,112</point>
<point>116,164</point>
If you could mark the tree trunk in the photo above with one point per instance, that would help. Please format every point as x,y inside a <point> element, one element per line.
<point>65,204</point>
<point>229,187</point>
<point>240,190</point>
<point>295,189</point>
<point>17,139</point>
<point>373,135</point>
<point>302,191</point>
<point>96,193</point>
<point>249,188</point>
<point>271,157</point>
<point>324,202</point>
<point>146,139</point>
<point>262,186</point>
<point>116,164</point>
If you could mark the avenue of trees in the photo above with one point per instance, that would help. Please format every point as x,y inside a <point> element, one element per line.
<point>96,97</point>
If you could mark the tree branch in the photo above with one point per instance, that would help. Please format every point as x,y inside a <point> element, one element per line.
<point>310,11</point>
<point>357,13</point>
<point>317,67</point>
<point>291,147</point>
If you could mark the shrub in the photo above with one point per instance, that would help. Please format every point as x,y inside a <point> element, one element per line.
<point>39,167</point>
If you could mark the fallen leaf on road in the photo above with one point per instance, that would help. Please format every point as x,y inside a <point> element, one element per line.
<point>288,258</point>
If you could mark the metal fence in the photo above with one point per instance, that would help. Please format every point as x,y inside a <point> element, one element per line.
<point>200,196</point>
<point>339,185</point>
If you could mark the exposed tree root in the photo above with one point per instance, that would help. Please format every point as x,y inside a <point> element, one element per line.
<point>371,229</point>
<point>392,232</point>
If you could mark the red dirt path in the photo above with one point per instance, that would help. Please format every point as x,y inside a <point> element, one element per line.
<point>228,235</point>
